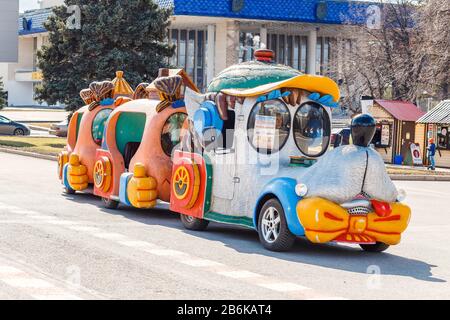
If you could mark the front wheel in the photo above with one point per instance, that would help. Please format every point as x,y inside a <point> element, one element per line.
<point>19,132</point>
<point>273,231</point>
<point>377,247</point>
<point>194,224</point>
<point>109,203</point>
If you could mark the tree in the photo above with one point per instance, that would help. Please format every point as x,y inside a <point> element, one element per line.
<point>3,95</point>
<point>114,35</point>
<point>434,25</point>
<point>381,62</point>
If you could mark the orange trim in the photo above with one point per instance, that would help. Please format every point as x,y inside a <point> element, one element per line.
<point>391,218</point>
<point>332,217</point>
<point>380,232</point>
<point>328,231</point>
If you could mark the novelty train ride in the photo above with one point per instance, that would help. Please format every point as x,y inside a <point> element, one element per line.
<point>253,151</point>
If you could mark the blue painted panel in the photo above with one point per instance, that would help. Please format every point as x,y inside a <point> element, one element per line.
<point>284,190</point>
<point>123,196</point>
<point>337,12</point>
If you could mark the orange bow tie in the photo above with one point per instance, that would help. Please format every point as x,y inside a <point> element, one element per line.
<point>325,221</point>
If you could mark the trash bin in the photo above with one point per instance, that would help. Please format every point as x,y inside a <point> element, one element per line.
<point>398,159</point>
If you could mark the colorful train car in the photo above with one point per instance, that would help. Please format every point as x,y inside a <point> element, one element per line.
<point>133,165</point>
<point>86,129</point>
<point>260,158</point>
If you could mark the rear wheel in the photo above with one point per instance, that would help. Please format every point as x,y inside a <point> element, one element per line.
<point>194,224</point>
<point>19,132</point>
<point>377,247</point>
<point>69,191</point>
<point>273,231</point>
<point>109,203</point>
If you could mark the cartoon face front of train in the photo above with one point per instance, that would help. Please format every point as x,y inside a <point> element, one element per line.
<point>347,196</point>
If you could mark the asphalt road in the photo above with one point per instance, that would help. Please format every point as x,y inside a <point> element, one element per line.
<point>54,246</point>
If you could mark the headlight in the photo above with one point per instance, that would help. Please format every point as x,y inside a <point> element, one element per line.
<point>301,190</point>
<point>401,195</point>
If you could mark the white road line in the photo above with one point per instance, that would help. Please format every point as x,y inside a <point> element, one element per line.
<point>110,236</point>
<point>7,270</point>
<point>85,229</point>
<point>24,211</point>
<point>137,244</point>
<point>27,282</point>
<point>178,256</point>
<point>166,252</point>
<point>240,274</point>
<point>283,286</point>
<point>201,263</point>
<point>42,217</point>
<point>62,222</point>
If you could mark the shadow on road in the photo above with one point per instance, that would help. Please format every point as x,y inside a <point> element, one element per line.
<point>243,240</point>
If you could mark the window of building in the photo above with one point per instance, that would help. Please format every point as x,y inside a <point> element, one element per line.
<point>443,138</point>
<point>290,50</point>
<point>248,43</point>
<point>171,132</point>
<point>98,125</point>
<point>190,53</point>
<point>268,126</point>
<point>322,55</point>
<point>312,128</point>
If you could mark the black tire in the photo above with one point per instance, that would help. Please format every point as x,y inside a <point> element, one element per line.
<point>19,132</point>
<point>110,204</point>
<point>285,239</point>
<point>69,191</point>
<point>377,247</point>
<point>194,224</point>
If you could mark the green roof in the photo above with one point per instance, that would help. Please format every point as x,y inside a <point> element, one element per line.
<point>251,74</point>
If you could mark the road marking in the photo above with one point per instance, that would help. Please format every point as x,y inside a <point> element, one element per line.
<point>178,256</point>
<point>166,252</point>
<point>137,244</point>
<point>7,270</point>
<point>27,282</point>
<point>240,274</point>
<point>283,286</point>
<point>85,229</point>
<point>37,288</point>
<point>24,211</point>
<point>110,236</point>
<point>201,263</point>
<point>42,217</point>
<point>62,222</point>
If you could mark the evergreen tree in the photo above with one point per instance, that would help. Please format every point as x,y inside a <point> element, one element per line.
<point>128,35</point>
<point>3,95</point>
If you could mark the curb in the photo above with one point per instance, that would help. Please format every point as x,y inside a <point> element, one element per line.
<point>29,154</point>
<point>404,177</point>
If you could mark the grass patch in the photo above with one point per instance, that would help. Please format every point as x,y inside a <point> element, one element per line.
<point>43,145</point>
<point>41,124</point>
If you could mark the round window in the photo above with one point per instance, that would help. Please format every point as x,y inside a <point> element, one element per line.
<point>312,129</point>
<point>98,125</point>
<point>268,126</point>
<point>171,132</point>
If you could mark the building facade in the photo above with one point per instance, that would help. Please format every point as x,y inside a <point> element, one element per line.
<point>211,35</point>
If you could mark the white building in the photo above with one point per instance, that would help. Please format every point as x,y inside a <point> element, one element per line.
<point>213,34</point>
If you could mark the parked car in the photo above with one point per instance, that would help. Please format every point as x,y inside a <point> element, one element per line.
<point>340,137</point>
<point>9,127</point>
<point>59,129</point>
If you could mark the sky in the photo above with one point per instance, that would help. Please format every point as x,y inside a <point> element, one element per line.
<point>28,5</point>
